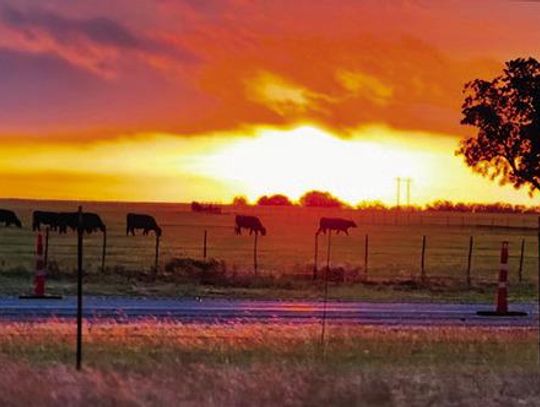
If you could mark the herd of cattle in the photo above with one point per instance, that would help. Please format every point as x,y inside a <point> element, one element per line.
<point>91,222</point>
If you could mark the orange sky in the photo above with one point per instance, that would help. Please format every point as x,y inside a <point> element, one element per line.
<point>181,100</point>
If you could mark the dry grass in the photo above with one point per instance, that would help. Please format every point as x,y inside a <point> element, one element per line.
<point>166,363</point>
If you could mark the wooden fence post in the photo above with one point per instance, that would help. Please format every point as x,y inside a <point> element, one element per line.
<point>204,244</point>
<point>156,260</point>
<point>104,251</point>
<point>366,252</point>
<point>422,259</point>
<point>46,254</point>
<point>520,271</point>
<point>316,256</point>
<point>469,262</point>
<point>255,265</point>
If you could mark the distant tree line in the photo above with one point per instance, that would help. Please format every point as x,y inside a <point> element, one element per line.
<point>321,199</point>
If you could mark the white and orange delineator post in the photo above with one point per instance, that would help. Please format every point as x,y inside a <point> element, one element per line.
<point>502,289</point>
<point>40,274</point>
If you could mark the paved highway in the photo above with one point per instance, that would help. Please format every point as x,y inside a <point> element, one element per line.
<point>218,310</point>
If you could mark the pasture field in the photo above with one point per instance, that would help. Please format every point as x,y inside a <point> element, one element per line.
<point>395,240</point>
<point>149,363</point>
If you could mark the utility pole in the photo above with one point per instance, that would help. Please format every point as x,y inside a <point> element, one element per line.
<point>398,191</point>
<point>408,182</point>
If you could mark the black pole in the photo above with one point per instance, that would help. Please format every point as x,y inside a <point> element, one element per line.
<point>422,259</point>
<point>469,261</point>
<point>520,270</point>
<point>79,286</point>
<point>46,255</point>
<point>204,244</point>
<point>366,252</point>
<point>104,251</point>
<point>316,256</point>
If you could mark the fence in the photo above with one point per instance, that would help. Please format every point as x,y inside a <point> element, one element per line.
<point>388,251</point>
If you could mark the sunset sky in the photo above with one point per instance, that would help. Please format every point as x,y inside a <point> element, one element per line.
<point>147,100</point>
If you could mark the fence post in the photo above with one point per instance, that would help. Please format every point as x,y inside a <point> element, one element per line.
<point>255,265</point>
<point>104,251</point>
<point>469,261</point>
<point>520,271</point>
<point>79,287</point>
<point>366,251</point>
<point>204,244</point>
<point>46,254</point>
<point>156,260</point>
<point>422,259</point>
<point>316,256</point>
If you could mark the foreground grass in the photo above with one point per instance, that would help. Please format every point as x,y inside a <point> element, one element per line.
<point>166,363</point>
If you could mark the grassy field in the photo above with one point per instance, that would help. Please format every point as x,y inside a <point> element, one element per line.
<point>288,250</point>
<point>149,363</point>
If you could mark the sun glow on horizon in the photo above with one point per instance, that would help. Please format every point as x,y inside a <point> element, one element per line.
<point>361,165</point>
<point>304,158</point>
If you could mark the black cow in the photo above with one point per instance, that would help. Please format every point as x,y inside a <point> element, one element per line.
<point>252,223</point>
<point>336,224</point>
<point>49,219</point>
<point>91,222</point>
<point>140,221</point>
<point>9,218</point>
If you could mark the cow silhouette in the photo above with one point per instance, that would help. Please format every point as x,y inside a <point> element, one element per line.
<point>49,219</point>
<point>141,221</point>
<point>335,224</point>
<point>252,223</point>
<point>9,218</point>
<point>91,222</point>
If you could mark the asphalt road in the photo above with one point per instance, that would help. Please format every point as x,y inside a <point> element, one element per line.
<point>214,310</point>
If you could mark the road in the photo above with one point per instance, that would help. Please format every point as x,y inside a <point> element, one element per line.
<point>218,310</point>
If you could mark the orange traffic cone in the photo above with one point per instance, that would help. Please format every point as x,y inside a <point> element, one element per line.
<point>502,289</point>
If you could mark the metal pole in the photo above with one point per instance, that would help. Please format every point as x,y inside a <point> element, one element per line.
<point>398,192</point>
<point>469,261</point>
<point>366,252</point>
<point>520,271</point>
<point>316,256</point>
<point>255,265</point>
<point>325,300</point>
<point>204,244</point>
<point>104,251</point>
<point>422,260</point>
<point>79,286</point>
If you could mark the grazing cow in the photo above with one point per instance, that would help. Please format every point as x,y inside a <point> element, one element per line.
<point>249,222</point>
<point>9,218</point>
<point>336,224</point>
<point>91,222</point>
<point>144,222</point>
<point>49,219</point>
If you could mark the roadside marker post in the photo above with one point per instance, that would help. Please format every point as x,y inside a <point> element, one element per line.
<point>40,275</point>
<point>501,309</point>
<point>469,262</point>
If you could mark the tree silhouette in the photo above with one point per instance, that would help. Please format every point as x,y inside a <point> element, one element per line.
<point>506,111</point>
<point>274,200</point>
<point>320,199</point>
